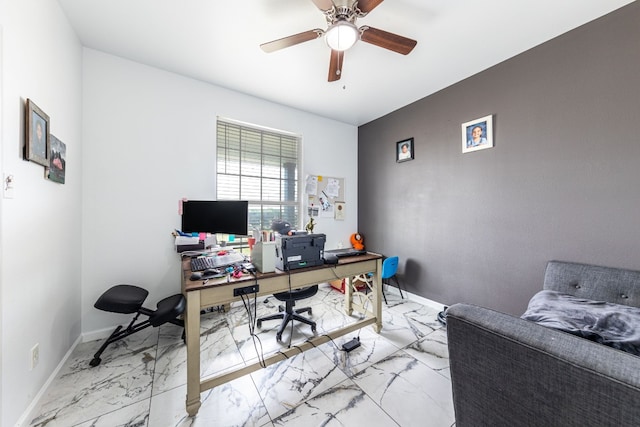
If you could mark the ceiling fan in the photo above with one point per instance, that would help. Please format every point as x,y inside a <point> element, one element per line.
<point>342,32</point>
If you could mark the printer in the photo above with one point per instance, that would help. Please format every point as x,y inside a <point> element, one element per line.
<point>299,251</point>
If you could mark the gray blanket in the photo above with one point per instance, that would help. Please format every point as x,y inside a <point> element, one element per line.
<point>617,326</point>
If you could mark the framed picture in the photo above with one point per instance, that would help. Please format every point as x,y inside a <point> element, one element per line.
<point>340,211</point>
<point>57,160</point>
<point>37,136</point>
<point>404,150</point>
<point>477,134</point>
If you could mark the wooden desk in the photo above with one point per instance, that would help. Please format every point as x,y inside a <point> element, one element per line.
<point>215,292</point>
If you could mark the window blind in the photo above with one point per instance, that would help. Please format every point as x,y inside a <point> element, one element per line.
<point>261,166</point>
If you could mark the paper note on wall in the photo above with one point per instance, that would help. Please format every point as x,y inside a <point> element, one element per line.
<point>333,187</point>
<point>311,186</point>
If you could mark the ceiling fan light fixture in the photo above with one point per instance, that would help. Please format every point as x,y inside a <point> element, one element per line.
<point>341,35</point>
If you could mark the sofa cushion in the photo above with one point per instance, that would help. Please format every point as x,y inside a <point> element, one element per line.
<point>615,325</point>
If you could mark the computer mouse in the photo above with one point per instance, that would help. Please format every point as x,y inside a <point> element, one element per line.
<point>196,276</point>
<point>210,272</point>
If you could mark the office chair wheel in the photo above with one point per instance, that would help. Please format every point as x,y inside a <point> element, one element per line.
<point>280,309</point>
<point>279,337</point>
<point>259,323</point>
<point>310,312</point>
<point>95,362</point>
<point>313,328</point>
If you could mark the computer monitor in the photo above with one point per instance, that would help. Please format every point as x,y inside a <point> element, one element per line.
<point>219,216</point>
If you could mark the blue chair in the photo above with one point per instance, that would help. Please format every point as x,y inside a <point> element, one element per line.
<point>389,270</point>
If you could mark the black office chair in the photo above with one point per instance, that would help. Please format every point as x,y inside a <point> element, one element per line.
<point>287,314</point>
<point>128,299</point>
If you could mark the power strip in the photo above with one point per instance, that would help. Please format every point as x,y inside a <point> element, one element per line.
<point>253,289</point>
<point>351,345</point>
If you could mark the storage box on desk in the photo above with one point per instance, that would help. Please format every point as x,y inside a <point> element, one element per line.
<point>263,256</point>
<point>299,251</point>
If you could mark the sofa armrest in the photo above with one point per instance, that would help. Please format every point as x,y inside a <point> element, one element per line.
<point>506,371</point>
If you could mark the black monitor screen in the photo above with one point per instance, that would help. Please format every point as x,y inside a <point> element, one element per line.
<point>221,216</point>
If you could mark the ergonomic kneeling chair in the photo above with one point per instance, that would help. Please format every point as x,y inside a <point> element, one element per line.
<point>128,299</point>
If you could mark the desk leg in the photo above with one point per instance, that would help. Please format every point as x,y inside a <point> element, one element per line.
<point>348,295</point>
<point>377,296</point>
<point>192,326</point>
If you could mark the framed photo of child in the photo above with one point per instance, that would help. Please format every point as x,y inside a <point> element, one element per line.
<point>477,134</point>
<point>404,150</point>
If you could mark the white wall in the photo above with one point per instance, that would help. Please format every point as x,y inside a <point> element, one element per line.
<point>40,227</point>
<point>149,140</point>
<point>1,168</point>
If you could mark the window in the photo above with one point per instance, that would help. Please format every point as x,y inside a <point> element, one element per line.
<point>261,166</point>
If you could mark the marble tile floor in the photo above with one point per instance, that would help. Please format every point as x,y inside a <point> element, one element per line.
<point>399,377</point>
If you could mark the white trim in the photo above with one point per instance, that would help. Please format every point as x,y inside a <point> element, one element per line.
<point>417,298</point>
<point>26,415</point>
<point>100,334</point>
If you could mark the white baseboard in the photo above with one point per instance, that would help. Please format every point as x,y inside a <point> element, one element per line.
<point>100,334</point>
<point>417,298</point>
<point>27,414</point>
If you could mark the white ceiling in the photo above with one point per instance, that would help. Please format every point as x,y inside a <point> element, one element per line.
<point>218,42</point>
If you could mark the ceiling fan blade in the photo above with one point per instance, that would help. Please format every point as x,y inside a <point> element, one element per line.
<point>323,5</point>
<point>366,6</point>
<point>293,40</point>
<point>387,40</point>
<point>335,65</point>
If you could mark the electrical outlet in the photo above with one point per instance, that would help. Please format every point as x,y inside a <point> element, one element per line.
<point>35,356</point>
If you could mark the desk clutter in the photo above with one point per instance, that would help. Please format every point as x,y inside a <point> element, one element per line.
<point>289,252</point>
<point>216,260</point>
<point>201,268</point>
<point>285,253</point>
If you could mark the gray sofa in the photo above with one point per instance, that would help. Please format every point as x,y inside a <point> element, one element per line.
<point>506,371</point>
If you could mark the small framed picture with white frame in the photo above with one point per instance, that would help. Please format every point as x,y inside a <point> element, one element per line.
<point>477,134</point>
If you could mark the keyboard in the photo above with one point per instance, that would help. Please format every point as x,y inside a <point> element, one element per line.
<point>216,261</point>
<point>201,264</point>
<point>343,253</point>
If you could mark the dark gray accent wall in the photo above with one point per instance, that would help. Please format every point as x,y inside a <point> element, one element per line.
<point>562,182</point>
